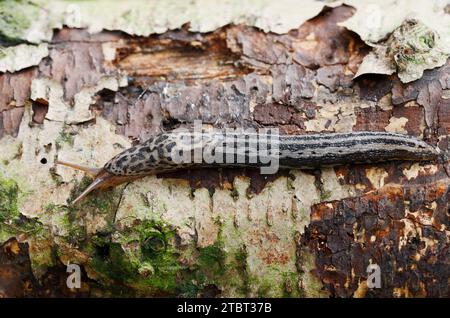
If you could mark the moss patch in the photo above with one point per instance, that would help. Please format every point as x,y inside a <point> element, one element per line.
<point>12,222</point>
<point>15,19</point>
<point>8,199</point>
<point>208,269</point>
<point>100,201</point>
<point>64,137</point>
<point>145,259</point>
<point>211,260</point>
<point>325,195</point>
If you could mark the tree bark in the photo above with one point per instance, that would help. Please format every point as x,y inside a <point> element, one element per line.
<point>229,232</point>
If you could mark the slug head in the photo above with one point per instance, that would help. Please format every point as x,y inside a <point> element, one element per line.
<point>102,179</point>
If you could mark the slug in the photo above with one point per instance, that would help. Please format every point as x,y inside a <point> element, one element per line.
<point>177,150</point>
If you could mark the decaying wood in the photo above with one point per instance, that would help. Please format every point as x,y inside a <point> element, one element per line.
<point>318,229</point>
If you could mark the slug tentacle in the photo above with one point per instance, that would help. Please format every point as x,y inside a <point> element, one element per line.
<point>90,171</point>
<point>102,179</point>
<point>97,183</point>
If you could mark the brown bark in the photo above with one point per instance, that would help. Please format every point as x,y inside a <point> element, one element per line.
<point>241,76</point>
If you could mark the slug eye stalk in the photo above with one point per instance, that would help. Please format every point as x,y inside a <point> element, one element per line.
<point>102,179</point>
<point>90,171</point>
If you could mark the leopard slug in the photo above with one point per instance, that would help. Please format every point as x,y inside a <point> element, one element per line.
<point>209,149</point>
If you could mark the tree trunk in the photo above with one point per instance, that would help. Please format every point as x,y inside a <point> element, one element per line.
<point>227,232</point>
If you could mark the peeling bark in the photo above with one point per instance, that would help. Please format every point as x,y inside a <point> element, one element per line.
<point>229,232</point>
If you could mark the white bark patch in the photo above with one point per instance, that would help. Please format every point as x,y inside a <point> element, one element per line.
<point>16,58</point>
<point>376,177</point>
<point>142,17</point>
<point>372,64</point>
<point>91,146</point>
<point>332,188</point>
<point>205,226</point>
<point>416,169</point>
<point>333,117</point>
<point>59,109</point>
<point>109,51</point>
<point>399,45</point>
<point>397,125</point>
<point>374,20</point>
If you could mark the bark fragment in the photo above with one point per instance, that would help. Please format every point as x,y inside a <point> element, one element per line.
<point>232,232</point>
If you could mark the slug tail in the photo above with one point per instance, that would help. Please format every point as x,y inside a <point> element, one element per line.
<point>91,171</point>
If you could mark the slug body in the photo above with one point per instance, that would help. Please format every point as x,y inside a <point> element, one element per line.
<point>180,150</point>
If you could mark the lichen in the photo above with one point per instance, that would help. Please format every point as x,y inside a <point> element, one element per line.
<point>15,58</point>
<point>409,50</point>
<point>144,258</point>
<point>13,223</point>
<point>310,285</point>
<point>64,137</point>
<point>325,195</point>
<point>208,269</point>
<point>65,223</point>
<point>414,49</point>
<point>8,199</point>
<point>15,19</point>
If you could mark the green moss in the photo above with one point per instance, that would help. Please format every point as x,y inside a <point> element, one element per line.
<point>290,284</point>
<point>30,226</point>
<point>11,221</point>
<point>209,269</point>
<point>64,137</point>
<point>241,257</point>
<point>156,240</point>
<point>264,289</point>
<point>241,266</point>
<point>189,288</point>
<point>111,261</point>
<point>152,268</point>
<point>8,199</point>
<point>101,201</point>
<point>15,19</point>
<point>325,195</point>
<point>6,232</point>
<point>212,259</point>
<point>311,285</point>
<point>68,221</point>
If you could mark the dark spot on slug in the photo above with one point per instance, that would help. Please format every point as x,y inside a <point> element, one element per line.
<point>161,139</point>
<point>121,161</point>
<point>146,149</point>
<point>140,155</point>
<point>161,152</point>
<point>170,146</point>
<point>138,167</point>
<point>132,149</point>
<point>134,159</point>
